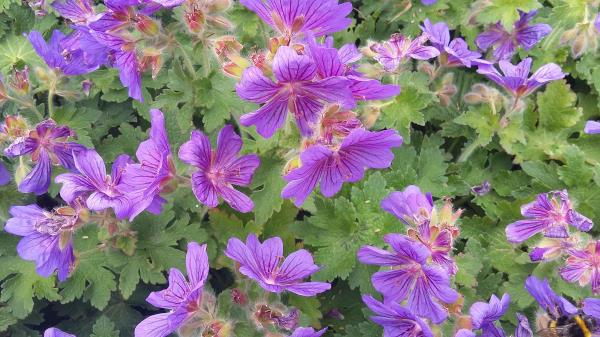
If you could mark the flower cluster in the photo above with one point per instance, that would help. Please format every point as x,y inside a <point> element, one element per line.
<point>420,265</point>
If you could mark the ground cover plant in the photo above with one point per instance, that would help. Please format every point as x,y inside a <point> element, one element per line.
<point>299,168</point>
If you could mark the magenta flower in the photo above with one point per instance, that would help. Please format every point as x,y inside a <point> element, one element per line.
<point>263,263</point>
<point>47,236</point>
<point>547,299</point>
<point>219,170</point>
<point>57,55</point>
<point>293,19</point>
<point>296,90</point>
<point>410,206</point>
<point>4,175</point>
<point>396,320</point>
<point>411,277</point>
<point>523,34</point>
<point>551,214</point>
<point>183,297</point>
<point>392,53</point>
<point>333,166</point>
<point>452,53</point>
<point>592,127</point>
<point>91,182</point>
<point>47,145</point>
<point>514,78</point>
<point>54,332</point>
<point>331,62</point>
<point>583,266</point>
<point>308,332</point>
<point>144,182</point>
<point>439,241</point>
<point>484,315</point>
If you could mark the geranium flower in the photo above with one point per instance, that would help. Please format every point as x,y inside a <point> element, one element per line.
<point>220,169</point>
<point>144,182</point>
<point>296,90</point>
<point>54,332</point>
<point>549,249</point>
<point>547,299</point>
<point>91,182</point>
<point>396,320</point>
<point>308,332</point>
<point>452,53</point>
<point>48,145</point>
<point>583,266</point>
<point>47,236</point>
<point>484,315</point>
<point>293,19</point>
<point>506,43</point>
<point>515,78</point>
<point>331,166</point>
<point>410,206</point>
<point>4,175</point>
<point>183,297</point>
<point>263,263</point>
<point>411,277</point>
<point>392,53</point>
<point>551,214</point>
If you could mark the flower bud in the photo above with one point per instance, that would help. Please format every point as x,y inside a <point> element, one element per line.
<point>219,5</point>
<point>151,58</point>
<point>147,25</point>
<point>194,19</point>
<point>226,46</point>
<point>19,81</point>
<point>219,22</point>
<point>239,297</point>
<point>579,45</point>
<point>86,86</point>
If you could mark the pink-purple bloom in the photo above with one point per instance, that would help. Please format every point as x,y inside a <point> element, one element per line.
<point>57,55</point>
<point>308,332</point>
<point>331,166</point>
<point>90,181</point>
<point>485,314</point>
<point>454,52</point>
<point>506,43</point>
<point>144,182</point>
<point>54,332</point>
<point>183,297</point>
<point>550,214</point>
<point>265,263</point>
<point>48,144</point>
<point>218,170</point>
<point>399,48</point>
<point>294,19</point>
<point>47,236</point>
<point>583,266</point>
<point>411,277</point>
<point>410,206</point>
<point>515,78</point>
<point>396,320</point>
<point>297,90</point>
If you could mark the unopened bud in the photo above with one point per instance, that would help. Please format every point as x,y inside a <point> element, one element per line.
<point>147,25</point>
<point>86,86</point>
<point>19,81</point>
<point>219,22</point>
<point>427,68</point>
<point>219,5</point>
<point>194,19</point>
<point>226,46</point>
<point>239,297</point>
<point>569,35</point>
<point>579,46</point>
<point>151,58</point>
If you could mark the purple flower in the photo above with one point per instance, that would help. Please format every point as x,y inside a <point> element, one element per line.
<point>392,53</point>
<point>523,328</point>
<point>410,206</point>
<point>296,90</point>
<point>331,62</point>
<point>80,12</point>
<point>57,56</point>
<point>583,266</point>
<point>91,182</point>
<point>452,53</point>
<point>483,189</point>
<point>514,78</point>
<point>295,18</point>
<point>48,145</point>
<point>308,332</point>
<point>263,263</point>
<point>551,214</point>
<point>484,315</point>
<point>54,332</point>
<point>439,241</point>
<point>183,297</point>
<point>592,127</point>
<point>548,300</point>
<point>4,175</point>
<point>523,34</point>
<point>591,306</point>
<point>143,182</point>
<point>410,277</point>
<point>47,236</point>
<point>332,167</point>
<point>219,170</point>
<point>396,320</point>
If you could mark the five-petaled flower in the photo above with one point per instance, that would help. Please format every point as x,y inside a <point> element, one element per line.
<point>583,266</point>
<point>396,320</point>
<point>452,53</point>
<point>220,169</point>
<point>265,263</point>
<point>410,206</point>
<point>392,53</point>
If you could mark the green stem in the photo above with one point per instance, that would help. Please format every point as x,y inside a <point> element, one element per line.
<point>188,62</point>
<point>51,102</point>
<point>467,152</point>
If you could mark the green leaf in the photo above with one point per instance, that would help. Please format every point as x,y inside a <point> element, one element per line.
<point>104,327</point>
<point>483,120</point>
<point>505,11</point>
<point>556,106</point>
<point>267,184</point>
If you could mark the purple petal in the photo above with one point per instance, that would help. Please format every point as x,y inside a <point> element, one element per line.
<point>297,266</point>
<point>54,332</point>
<point>204,190</point>
<point>229,145</point>
<point>156,326</point>
<point>376,256</point>
<point>591,306</point>
<point>490,37</point>
<point>308,332</point>
<point>303,180</point>
<point>236,199</point>
<point>522,230</point>
<point>309,289</point>
<point>288,66</point>
<point>420,300</point>
<point>73,185</point>
<point>4,175</point>
<point>174,295</point>
<point>255,87</point>
<point>523,328</point>
<point>592,127</point>
<point>38,179</point>
<point>529,36</point>
<point>408,204</point>
<point>269,118</point>
<point>196,261</point>
<point>439,34</point>
<point>196,151</point>
<point>547,298</point>
<point>365,89</point>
